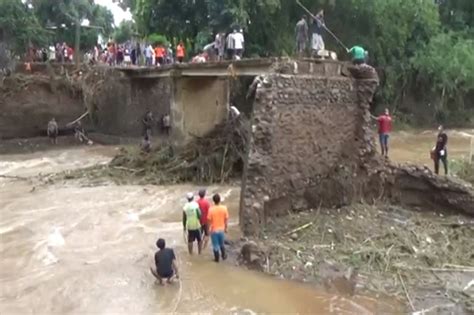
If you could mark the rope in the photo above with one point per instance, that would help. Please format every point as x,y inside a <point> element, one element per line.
<point>180,292</point>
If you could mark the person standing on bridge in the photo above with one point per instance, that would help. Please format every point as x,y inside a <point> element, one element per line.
<point>301,32</point>
<point>149,56</point>
<point>218,218</point>
<point>191,223</point>
<point>220,45</point>
<point>317,42</point>
<point>239,44</point>
<point>180,52</point>
<point>230,44</point>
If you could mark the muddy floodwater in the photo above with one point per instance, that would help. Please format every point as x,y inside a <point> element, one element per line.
<point>74,247</point>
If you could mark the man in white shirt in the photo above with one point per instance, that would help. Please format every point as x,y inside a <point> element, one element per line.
<point>239,43</point>
<point>149,55</point>
<point>230,44</point>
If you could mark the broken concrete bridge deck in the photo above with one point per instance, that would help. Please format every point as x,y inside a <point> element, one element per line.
<point>245,67</point>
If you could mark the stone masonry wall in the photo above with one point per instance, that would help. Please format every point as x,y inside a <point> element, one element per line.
<point>309,140</point>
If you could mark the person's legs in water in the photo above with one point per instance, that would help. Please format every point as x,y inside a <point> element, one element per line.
<point>205,235</point>
<point>194,235</point>
<point>222,245</point>
<point>215,245</point>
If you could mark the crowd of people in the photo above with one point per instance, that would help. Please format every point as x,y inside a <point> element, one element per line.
<point>201,221</point>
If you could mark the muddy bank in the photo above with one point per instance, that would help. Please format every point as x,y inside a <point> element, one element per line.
<point>422,259</point>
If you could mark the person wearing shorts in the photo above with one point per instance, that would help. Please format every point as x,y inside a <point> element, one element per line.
<point>218,219</point>
<point>192,223</point>
<point>204,207</point>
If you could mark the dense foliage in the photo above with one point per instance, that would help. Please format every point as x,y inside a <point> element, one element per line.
<point>37,23</point>
<point>421,48</point>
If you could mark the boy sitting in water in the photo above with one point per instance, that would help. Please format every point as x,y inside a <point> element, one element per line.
<point>165,261</point>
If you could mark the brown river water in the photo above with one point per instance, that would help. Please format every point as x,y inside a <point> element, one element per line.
<point>75,248</point>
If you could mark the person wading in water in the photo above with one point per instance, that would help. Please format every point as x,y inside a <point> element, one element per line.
<point>218,220</point>
<point>165,263</point>
<point>204,207</point>
<point>191,223</point>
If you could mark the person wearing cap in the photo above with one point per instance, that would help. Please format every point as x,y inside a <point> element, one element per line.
<point>191,223</point>
<point>204,207</point>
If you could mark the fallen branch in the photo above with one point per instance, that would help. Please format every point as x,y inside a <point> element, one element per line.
<point>406,292</point>
<point>78,119</point>
<point>128,169</point>
<point>303,227</point>
<point>13,177</point>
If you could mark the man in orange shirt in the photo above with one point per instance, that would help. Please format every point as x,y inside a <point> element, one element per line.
<point>180,52</point>
<point>159,55</point>
<point>217,218</point>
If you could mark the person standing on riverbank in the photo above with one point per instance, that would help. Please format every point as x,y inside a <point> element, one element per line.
<point>218,218</point>
<point>191,223</point>
<point>165,263</point>
<point>204,207</point>
<point>53,131</point>
<point>385,127</point>
<point>441,151</point>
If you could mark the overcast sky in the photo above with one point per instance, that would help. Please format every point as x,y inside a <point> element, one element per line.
<point>119,14</point>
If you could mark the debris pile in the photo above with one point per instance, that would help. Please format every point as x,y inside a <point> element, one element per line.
<point>217,157</point>
<point>422,258</point>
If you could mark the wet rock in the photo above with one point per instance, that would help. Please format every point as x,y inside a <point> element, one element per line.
<point>253,256</point>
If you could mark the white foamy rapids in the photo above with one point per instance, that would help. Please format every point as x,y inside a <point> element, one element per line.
<point>56,239</point>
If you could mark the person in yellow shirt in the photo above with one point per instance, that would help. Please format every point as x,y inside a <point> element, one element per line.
<point>218,218</point>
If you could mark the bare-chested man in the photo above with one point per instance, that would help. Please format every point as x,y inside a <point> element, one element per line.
<point>53,131</point>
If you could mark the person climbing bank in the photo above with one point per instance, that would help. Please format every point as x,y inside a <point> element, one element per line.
<point>218,218</point>
<point>359,55</point>
<point>191,223</point>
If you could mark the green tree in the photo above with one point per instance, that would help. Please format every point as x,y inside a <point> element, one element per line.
<point>445,71</point>
<point>125,31</point>
<point>19,27</point>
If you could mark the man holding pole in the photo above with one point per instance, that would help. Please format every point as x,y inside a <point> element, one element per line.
<point>317,42</point>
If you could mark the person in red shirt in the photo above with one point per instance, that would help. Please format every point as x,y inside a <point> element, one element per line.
<point>204,206</point>
<point>385,127</point>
